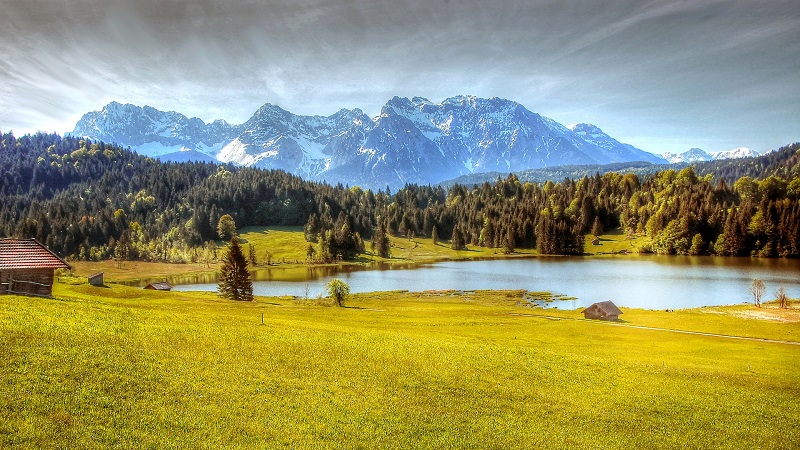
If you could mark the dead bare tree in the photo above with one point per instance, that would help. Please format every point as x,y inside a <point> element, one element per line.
<point>780,296</point>
<point>757,288</point>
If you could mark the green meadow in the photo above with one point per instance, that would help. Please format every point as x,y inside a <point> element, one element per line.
<point>288,244</point>
<point>119,367</point>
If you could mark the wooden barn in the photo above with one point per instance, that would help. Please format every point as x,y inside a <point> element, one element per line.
<point>161,286</point>
<point>602,311</point>
<point>27,267</point>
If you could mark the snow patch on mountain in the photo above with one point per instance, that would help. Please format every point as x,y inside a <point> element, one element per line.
<point>697,155</point>
<point>737,153</point>
<point>151,132</point>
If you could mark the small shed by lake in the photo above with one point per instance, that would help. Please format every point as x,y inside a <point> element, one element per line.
<point>602,311</point>
<point>97,279</point>
<point>160,286</point>
<point>27,267</point>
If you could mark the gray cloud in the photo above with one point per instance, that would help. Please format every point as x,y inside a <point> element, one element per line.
<point>663,75</point>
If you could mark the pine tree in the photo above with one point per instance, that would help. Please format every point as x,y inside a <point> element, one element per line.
<point>597,227</point>
<point>252,255</point>
<point>380,241</point>
<point>457,242</point>
<point>234,279</point>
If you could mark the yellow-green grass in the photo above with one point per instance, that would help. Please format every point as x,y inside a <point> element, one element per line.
<point>126,368</point>
<point>288,244</point>
<point>613,242</point>
<point>423,250</point>
<point>131,271</point>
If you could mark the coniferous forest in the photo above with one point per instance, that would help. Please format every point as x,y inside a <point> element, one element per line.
<point>91,200</point>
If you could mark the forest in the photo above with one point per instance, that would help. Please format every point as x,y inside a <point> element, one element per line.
<point>91,200</point>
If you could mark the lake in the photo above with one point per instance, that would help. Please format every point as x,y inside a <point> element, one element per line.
<point>650,282</point>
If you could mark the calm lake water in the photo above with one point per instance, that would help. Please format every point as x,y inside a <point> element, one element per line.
<point>651,282</point>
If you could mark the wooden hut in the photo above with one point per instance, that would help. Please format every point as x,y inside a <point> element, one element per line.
<point>160,286</point>
<point>27,267</point>
<point>602,311</point>
<point>97,279</point>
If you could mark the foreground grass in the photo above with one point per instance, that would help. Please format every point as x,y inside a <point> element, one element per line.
<point>122,367</point>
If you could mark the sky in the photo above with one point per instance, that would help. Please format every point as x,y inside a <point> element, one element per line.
<point>660,75</point>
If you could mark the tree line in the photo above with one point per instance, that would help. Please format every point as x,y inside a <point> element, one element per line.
<point>91,200</point>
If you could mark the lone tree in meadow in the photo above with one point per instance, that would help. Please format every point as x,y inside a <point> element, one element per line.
<point>338,290</point>
<point>234,278</point>
<point>226,227</point>
<point>757,288</point>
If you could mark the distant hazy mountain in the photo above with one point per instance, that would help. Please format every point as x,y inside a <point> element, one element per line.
<point>559,173</point>
<point>697,155</point>
<point>613,150</point>
<point>411,141</point>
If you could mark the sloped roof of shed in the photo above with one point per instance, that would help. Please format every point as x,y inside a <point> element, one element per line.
<point>607,306</point>
<point>28,254</point>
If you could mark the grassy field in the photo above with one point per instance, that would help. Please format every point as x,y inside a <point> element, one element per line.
<point>126,368</point>
<point>612,242</point>
<point>288,244</point>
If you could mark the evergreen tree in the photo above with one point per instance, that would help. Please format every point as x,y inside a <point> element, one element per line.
<point>597,227</point>
<point>508,243</point>
<point>252,254</point>
<point>380,241</point>
<point>457,242</point>
<point>234,279</point>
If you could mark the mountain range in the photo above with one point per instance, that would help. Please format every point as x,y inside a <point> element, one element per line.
<point>698,155</point>
<point>410,141</point>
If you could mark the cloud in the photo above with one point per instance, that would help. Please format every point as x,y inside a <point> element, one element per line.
<point>672,70</point>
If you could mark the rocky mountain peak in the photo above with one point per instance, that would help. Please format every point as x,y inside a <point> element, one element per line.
<point>411,141</point>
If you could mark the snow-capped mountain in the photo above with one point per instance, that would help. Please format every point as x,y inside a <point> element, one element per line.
<point>418,141</point>
<point>696,155</point>
<point>737,153</point>
<point>277,139</point>
<point>613,150</point>
<point>411,141</point>
<point>690,156</point>
<point>151,132</point>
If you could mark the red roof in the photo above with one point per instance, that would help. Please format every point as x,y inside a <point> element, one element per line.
<point>28,254</point>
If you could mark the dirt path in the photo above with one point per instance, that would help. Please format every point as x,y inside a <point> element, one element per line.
<point>642,327</point>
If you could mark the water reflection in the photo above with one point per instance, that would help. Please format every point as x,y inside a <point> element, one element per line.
<point>653,282</point>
